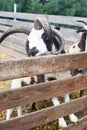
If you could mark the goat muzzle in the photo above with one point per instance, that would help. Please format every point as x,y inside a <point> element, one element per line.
<point>33,51</point>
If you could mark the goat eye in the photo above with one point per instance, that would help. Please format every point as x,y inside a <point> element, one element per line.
<point>43,36</point>
<point>73,46</point>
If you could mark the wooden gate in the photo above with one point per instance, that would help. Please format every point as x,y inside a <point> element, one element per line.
<point>15,68</point>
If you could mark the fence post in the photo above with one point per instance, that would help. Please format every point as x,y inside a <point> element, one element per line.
<point>15,10</point>
<point>84,92</point>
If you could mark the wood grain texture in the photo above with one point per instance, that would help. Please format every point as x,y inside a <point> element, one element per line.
<point>24,67</point>
<point>44,116</point>
<point>42,91</point>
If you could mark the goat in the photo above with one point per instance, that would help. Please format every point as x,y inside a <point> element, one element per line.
<point>41,42</point>
<point>79,46</point>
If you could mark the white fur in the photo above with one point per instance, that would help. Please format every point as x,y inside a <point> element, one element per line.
<point>35,40</point>
<point>73,49</point>
<point>16,83</point>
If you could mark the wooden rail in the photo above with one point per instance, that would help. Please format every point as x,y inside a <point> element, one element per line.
<point>66,20</point>
<point>10,69</point>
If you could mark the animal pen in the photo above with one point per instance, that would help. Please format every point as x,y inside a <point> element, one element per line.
<point>23,66</point>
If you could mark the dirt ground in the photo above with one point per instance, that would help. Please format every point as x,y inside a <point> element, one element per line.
<point>4,85</point>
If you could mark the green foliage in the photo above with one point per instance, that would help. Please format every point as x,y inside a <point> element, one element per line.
<point>57,7</point>
<point>23,5</point>
<point>6,5</point>
<point>51,7</point>
<point>68,7</point>
<point>82,8</point>
<point>36,7</point>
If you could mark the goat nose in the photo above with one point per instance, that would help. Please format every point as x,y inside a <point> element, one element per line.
<point>33,51</point>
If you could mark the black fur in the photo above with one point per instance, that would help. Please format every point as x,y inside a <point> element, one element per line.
<point>47,42</point>
<point>33,51</point>
<point>56,43</point>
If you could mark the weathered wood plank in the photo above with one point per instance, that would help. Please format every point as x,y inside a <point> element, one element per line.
<point>14,98</point>
<point>16,47</point>
<point>44,116</point>
<point>15,42</point>
<point>82,123</point>
<point>39,65</point>
<point>70,34</point>
<point>68,20</point>
<point>10,22</point>
<point>11,52</point>
<point>15,39</point>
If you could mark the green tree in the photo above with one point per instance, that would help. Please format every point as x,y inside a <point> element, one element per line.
<point>51,7</point>
<point>67,7</point>
<point>36,7</point>
<point>81,8</point>
<point>6,5</point>
<point>23,5</point>
<point>57,7</point>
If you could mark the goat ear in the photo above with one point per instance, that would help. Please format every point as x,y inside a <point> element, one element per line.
<point>58,28</point>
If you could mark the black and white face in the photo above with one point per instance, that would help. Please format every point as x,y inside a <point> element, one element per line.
<point>38,43</point>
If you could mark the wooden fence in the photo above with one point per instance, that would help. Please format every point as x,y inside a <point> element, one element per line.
<point>15,68</point>
<point>23,67</point>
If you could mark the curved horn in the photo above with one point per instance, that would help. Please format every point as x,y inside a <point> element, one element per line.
<point>60,40</point>
<point>82,22</point>
<point>13,30</point>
